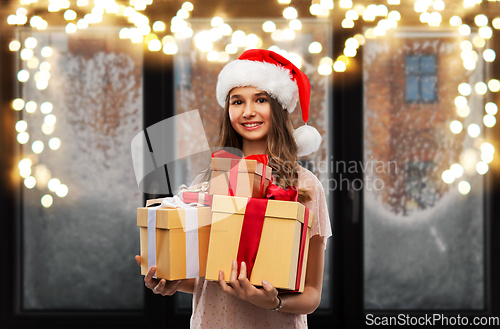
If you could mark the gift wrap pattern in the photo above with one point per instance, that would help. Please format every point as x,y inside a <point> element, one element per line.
<point>283,243</point>
<point>175,240</point>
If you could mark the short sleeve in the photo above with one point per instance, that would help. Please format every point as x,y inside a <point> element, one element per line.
<point>321,220</point>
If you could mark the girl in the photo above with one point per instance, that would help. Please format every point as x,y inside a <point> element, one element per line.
<point>257,92</point>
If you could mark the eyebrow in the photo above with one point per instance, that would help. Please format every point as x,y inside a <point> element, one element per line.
<point>258,95</point>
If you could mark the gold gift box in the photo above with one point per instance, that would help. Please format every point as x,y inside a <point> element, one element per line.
<point>278,254</point>
<point>171,241</point>
<point>248,181</point>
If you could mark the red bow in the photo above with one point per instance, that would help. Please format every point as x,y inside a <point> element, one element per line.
<point>262,158</point>
<point>275,192</point>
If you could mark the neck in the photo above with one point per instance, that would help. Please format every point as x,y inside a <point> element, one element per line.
<point>254,147</point>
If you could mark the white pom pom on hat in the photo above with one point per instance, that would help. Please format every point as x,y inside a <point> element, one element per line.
<point>274,74</point>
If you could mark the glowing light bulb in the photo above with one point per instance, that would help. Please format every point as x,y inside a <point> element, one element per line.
<point>489,55</point>
<point>62,191</point>
<point>481,88</point>
<point>482,168</point>
<point>21,126</point>
<point>37,147</point>
<point>47,200</point>
<point>463,111</point>
<point>170,48</point>
<point>491,108</point>
<point>457,170</point>
<point>23,137</point>
<point>456,126</point>
<point>295,24</point>
<point>30,182</point>
<point>455,21</point>
<point>53,184</point>
<point>159,26</point>
<point>269,27</point>
<point>46,52</point>
<point>325,69</point>
<point>14,45</point>
<point>339,66</point>
<point>315,47</point>
<point>231,49</point>
<point>481,20</point>
<point>46,107</point>
<point>464,29</point>
<point>464,187</point>
<point>24,164</point>
<point>460,101</point>
<point>69,15</point>
<point>448,177</point>
<point>485,32</point>
<point>30,107</point>
<point>26,54</point>
<point>464,89</point>
<point>154,45</point>
<point>474,130</point>
<point>30,42</point>
<point>216,21</point>
<point>18,104</point>
<point>489,120</point>
<point>290,13</point>
<point>494,85</point>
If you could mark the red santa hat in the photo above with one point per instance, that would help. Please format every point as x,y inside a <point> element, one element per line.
<point>277,76</point>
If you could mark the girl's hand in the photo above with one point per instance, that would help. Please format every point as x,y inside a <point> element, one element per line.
<point>241,287</point>
<point>162,287</point>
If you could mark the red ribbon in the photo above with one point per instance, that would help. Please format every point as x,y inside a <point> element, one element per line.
<point>233,172</point>
<point>253,221</point>
<point>275,192</point>
<point>251,231</point>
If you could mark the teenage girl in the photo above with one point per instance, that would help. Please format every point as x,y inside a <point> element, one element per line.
<point>257,92</point>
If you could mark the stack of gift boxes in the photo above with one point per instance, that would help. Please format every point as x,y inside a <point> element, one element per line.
<point>244,217</point>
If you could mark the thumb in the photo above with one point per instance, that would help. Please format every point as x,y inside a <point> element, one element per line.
<point>269,288</point>
<point>138,259</point>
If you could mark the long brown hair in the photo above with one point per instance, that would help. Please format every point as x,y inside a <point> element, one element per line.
<point>281,147</point>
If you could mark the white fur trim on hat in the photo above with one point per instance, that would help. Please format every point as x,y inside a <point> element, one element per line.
<point>274,80</point>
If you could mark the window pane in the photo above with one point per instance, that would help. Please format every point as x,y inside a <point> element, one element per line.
<point>412,88</point>
<point>78,252</point>
<point>428,64</point>
<point>423,240</point>
<point>428,88</point>
<point>412,64</point>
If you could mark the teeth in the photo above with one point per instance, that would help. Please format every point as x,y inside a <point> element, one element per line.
<point>249,125</point>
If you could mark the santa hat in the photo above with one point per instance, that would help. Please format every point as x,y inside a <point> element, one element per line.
<point>277,76</point>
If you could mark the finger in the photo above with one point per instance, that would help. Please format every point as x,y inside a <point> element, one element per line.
<point>233,279</point>
<point>150,274</point>
<point>149,281</point>
<point>159,287</point>
<point>269,289</point>
<point>245,283</point>
<point>138,259</point>
<point>224,285</point>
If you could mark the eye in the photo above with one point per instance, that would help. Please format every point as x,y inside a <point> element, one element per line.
<point>262,100</point>
<point>237,102</point>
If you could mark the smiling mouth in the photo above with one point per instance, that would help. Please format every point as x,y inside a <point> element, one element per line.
<point>251,125</point>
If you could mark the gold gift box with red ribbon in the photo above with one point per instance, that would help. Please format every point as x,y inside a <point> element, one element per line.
<point>235,176</point>
<point>271,236</point>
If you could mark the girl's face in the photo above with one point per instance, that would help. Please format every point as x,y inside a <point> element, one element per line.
<point>250,113</point>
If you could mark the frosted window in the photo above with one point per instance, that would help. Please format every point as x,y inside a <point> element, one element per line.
<point>78,253</point>
<point>423,240</point>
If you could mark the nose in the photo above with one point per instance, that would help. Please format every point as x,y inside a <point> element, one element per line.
<point>248,110</point>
